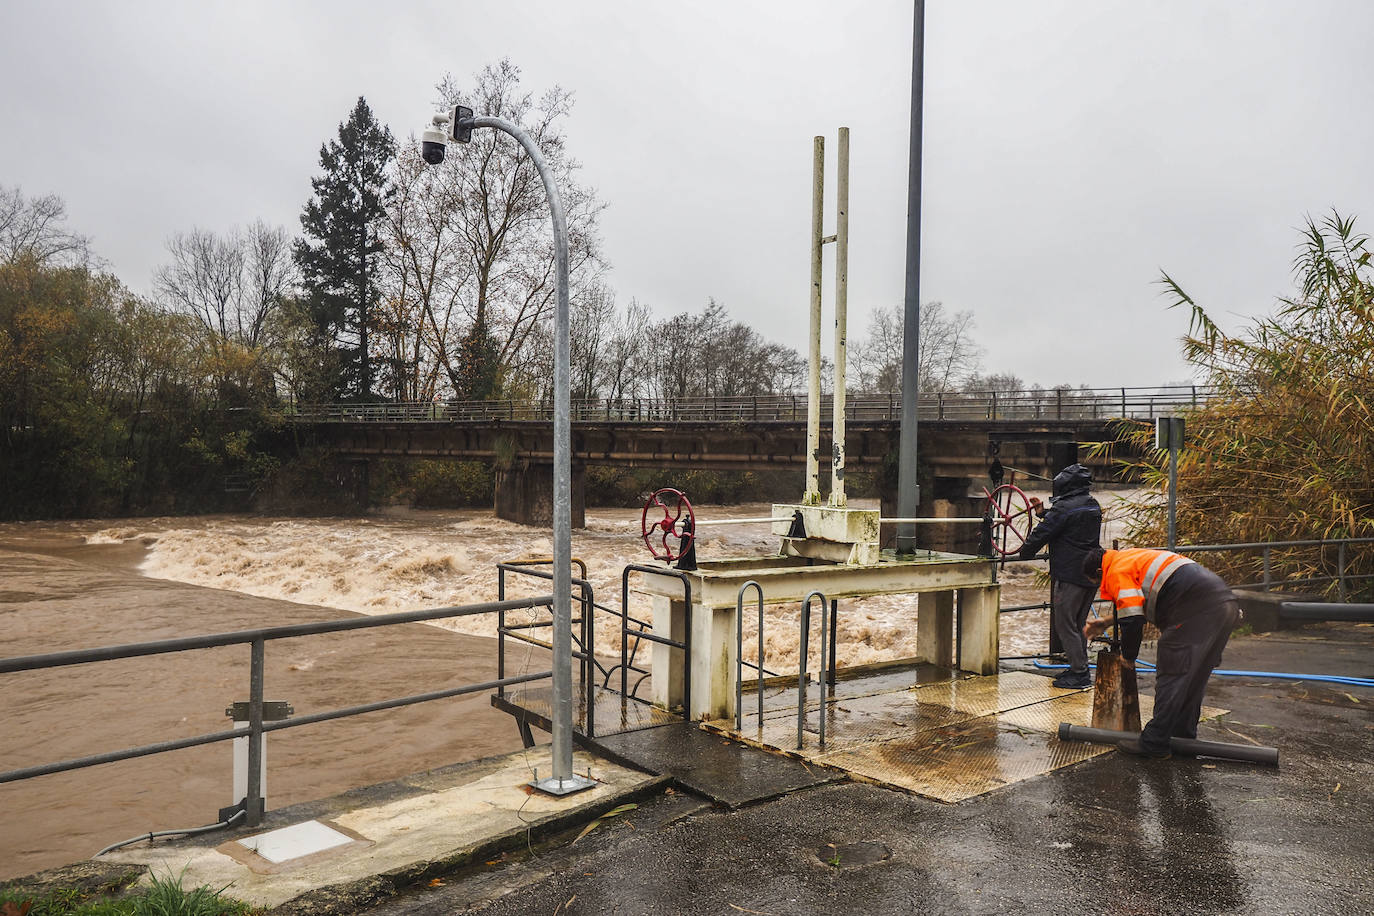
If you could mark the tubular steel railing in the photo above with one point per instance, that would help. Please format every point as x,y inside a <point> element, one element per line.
<point>740,663</point>
<point>1267,549</point>
<point>256,729</point>
<point>801,674</point>
<point>645,633</point>
<point>584,648</point>
<point>1035,404</point>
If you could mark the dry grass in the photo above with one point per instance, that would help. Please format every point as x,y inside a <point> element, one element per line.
<point>1286,452</point>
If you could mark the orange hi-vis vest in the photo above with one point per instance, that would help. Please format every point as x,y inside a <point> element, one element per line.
<point>1131,579</point>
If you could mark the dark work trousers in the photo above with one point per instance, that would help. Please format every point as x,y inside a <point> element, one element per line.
<point>1070,611</point>
<point>1196,612</point>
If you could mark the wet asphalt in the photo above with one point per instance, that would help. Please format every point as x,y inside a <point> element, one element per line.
<point>1113,834</point>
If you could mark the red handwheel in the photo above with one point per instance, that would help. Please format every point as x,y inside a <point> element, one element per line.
<point>677,523</point>
<point>1012,514</point>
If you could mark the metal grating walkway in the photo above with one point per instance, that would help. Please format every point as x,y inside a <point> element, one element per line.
<point>949,740</point>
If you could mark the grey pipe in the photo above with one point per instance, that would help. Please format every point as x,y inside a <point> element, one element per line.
<point>1245,752</point>
<point>1319,610</point>
<point>189,831</point>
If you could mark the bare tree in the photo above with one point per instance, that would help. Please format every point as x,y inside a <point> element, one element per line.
<point>592,312</point>
<point>499,209</point>
<point>946,355</point>
<point>33,227</point>
<point>269,277</point>
<point>708,355</point>
<point>205,280</point>
<point>427,266</point>
<point>628,350</point>
<point>1000,383</point>
<point>231,284</point>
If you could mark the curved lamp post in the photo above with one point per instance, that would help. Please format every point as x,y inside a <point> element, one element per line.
<point>461,123</point>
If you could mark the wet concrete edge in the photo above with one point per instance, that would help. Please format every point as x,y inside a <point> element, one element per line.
<point>351,897</point>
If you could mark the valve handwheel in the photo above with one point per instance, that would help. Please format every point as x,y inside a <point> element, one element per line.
<point>1012,514</point>
<point>677,522</point>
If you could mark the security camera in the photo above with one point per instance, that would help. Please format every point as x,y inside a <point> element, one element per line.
<point>434,142</point>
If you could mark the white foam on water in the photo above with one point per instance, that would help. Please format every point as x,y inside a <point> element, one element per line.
<point>413,560</point>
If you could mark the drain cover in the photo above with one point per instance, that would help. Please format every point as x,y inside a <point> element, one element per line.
<point>286,843</point>
<point>851,855</point>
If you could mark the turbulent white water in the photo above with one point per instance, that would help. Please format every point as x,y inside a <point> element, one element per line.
<point>403,560</point>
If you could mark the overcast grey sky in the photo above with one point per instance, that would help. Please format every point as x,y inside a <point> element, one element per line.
<point>1072,149</point>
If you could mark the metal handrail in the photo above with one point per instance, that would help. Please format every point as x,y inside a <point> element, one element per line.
<point>588,641</point>
<point>1268,547</point>
<point>257,640</point>
<point>685,644</point>
<point>801,674</point>
<point>739,654</point>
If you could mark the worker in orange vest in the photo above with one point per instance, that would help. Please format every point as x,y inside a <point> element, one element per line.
<point>1195,612</point>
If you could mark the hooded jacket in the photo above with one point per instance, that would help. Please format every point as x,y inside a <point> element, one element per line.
<point>1071,527</point>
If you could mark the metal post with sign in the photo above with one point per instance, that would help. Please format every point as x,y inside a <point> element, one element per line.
<point>1169,435</point>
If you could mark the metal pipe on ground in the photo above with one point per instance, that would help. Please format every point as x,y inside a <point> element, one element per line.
<point>1317,610</point>
<point>1244,752</point>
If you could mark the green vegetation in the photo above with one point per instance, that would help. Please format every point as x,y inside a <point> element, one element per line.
<point>1286,451</point>
<point>109,405</point>
<point>164,896</point>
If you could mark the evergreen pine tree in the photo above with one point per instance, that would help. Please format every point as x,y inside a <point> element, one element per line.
<point>339,256</point>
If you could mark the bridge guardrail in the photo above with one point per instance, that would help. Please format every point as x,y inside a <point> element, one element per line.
<point>1097,404</point>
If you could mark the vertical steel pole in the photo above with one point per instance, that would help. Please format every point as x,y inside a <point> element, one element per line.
<point>253,801</point>
<point>841,319</point>
<point>563,780</point>
<point>1340,570</point>
<point>908,489</point>
<point>812,494</point>
<point>1173,487</point>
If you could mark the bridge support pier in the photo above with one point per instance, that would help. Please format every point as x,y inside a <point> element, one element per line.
<point>524,494</point>
<point>941,497</point>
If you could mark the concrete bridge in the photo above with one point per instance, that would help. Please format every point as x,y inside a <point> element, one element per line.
<point>1039,432</point>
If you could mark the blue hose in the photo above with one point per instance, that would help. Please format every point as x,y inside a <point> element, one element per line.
<point>1279,675</point>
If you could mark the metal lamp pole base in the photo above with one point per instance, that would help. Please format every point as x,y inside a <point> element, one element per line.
<point>553,785</point>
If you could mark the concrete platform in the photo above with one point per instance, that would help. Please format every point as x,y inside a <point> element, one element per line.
<point>394,835</point>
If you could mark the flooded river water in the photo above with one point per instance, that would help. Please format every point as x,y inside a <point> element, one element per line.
<point>69,585</point>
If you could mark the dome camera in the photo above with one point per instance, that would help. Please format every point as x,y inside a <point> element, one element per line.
<point>433,144</point>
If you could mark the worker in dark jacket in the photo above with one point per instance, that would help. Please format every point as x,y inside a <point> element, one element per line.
<point>1071,528</point>
<point>1195,612</point>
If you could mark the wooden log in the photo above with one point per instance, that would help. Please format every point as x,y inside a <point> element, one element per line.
<point>1116,702</point>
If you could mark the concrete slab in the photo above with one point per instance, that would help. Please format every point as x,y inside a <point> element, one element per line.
<point>402,830</point>
<point>721,769</point>
<point>295,842</point>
